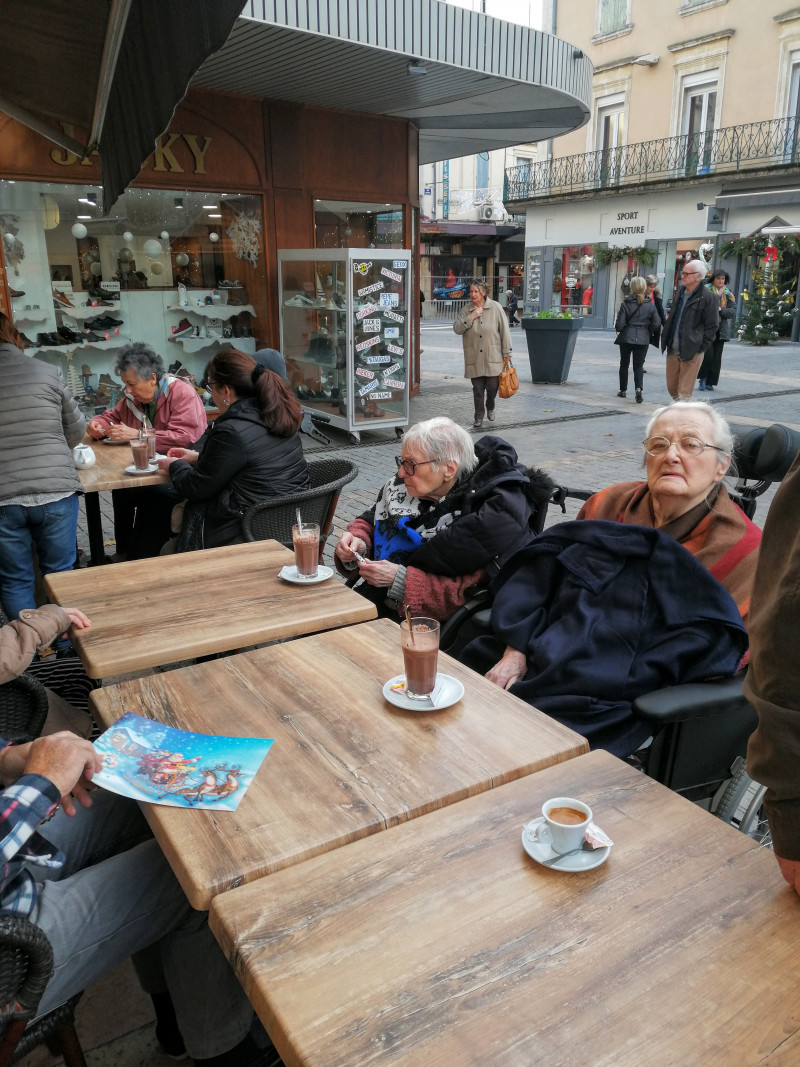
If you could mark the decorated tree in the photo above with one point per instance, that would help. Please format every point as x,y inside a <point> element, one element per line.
<point>770,298</point>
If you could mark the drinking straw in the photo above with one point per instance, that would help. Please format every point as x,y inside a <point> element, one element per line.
<point>410,627</point>
<point>299,521</point>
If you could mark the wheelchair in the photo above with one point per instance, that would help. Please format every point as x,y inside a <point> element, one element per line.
<point>700,730</point>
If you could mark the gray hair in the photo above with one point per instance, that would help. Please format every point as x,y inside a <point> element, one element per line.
<point>651,279</point>
<point>442,440</point>
<point>698,266</point>
<point>480,283</point>
<point>141,359</point>
<point>723,435</point>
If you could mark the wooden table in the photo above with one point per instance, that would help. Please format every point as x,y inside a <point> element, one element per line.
<point>442,942</point>
<point>345,763</point>
<point>108,473</point>
<point>151,612</point>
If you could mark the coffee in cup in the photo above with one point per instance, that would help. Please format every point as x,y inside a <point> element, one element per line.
<point>306,549</point>
<point>420,656</point>
<point>565,822</point>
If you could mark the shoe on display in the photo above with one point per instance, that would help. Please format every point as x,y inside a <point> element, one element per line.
<point>92,336</point>
<point>107,380</point>
<point>28,342</point>
<point>66,335</point>
<point>227,331</point>
<point>14,293</point>
<point>183,327</point>
<point>62,299</point>
<point>299,301</point>
<point>173,368</point>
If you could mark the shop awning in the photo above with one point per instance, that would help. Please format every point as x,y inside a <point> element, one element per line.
<point>468,82</point>
<point>105,74</point>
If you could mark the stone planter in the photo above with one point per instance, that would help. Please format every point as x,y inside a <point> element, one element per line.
<point>551,343</point>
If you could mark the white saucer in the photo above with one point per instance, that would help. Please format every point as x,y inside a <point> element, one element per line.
<point>289,574</point>
<point>152,469</point>
<point>448,691</point>
<point>542,852</point>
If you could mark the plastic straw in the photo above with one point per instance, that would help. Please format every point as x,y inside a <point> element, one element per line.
<point>410,627</point>
<point>299,521</point>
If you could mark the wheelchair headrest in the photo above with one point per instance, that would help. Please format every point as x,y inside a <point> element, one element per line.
<point>766,454</point>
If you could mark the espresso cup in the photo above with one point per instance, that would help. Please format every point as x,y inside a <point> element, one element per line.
<point>565,823</point>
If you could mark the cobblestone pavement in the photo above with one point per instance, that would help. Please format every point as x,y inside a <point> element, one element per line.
<point>580,432</point>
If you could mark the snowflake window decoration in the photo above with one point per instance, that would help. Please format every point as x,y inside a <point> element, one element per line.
<point>245,235</point>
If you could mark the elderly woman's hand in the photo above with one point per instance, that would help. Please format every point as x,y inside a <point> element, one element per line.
<point>509,669</point>
<point>378,572</point>
<point>120,432</point>
<point>348,545</point>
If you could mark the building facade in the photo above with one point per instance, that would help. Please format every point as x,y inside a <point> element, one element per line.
<point>691,142</point>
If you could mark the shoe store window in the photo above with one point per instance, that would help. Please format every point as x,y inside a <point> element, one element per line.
<point>182,271</point>
<point>573,279</point>
<point>346,224</point>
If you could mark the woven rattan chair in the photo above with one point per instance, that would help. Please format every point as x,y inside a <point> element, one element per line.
<point>26,963</point>
<point>275,518</point>
<point>23,709</point>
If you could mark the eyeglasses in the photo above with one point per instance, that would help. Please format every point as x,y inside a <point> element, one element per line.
<point>688,274</point>
<point>410,465</point>
<point>689,446</point>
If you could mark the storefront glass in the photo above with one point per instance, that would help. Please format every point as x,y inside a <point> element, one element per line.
<point>345,224</point>
<point>179,270</point>
<point>573,278</point>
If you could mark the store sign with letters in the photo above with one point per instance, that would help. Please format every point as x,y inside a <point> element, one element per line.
<point>361,268</point>
<point>381,396</point>
<point>390,370</point>
<point>371,289</point>
<point>390,300</point>
<point>376,340</point>
<point>362,372</point>
<point>391,274</point>
<point>367,388</point>
<point>396,350</point>
<point>393,315</point>
<point>370,309</point>
<point>376,359</point>
<point>394,383</point>
<point>399,264</point>
<point>391,331</point>
<point>371,325</point>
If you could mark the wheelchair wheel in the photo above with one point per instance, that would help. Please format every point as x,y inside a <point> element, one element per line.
<point>741,805</point>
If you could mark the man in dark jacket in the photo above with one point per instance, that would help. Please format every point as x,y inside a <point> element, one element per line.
<point>690,330</point>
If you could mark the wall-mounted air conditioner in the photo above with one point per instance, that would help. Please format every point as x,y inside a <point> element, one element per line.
<point>486,213</point>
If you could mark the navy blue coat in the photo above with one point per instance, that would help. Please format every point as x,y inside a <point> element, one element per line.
<point>605,612</point>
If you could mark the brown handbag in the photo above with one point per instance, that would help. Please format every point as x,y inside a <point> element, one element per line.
<point>509,382</point>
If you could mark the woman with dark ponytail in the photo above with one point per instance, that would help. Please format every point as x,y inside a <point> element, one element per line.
<point>250,453</point>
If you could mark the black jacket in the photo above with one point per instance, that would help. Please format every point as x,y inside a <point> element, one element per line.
<point>240,464</point>
<point>495,503</point>
<point>635,321</point>
<point>700,323</point>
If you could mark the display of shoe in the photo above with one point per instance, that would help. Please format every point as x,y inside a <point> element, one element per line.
<point>227,331</point>
<point>183,327</point>
<point>173,368</point>
<point>28,342</point>
<point>622,393</point>
<point>108,381</point>
<point>639,396</point>
<point>237,330</point>
<point>62,299</point>
<point>66,334</point>
<point>14,293</point>
<point>47,340</point>
<point>92,336</point>
<point>299,301</point>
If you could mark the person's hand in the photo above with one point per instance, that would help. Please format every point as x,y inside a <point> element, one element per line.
<point>187,454</point>
<point>509,669</point>
<point>347,546</point>
<point>120,432</point>
<point>97,429</point>
<point>78,619</point>
<point>68,761</point>
<point>790,869</point>
<point>379,572</point>
<point>165,462</point>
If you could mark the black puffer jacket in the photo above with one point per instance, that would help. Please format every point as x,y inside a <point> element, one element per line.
<point>241,463</point>
<point>494,515</point>
<point>635,321</point>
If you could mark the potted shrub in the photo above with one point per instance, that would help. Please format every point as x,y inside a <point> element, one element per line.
<point>551,337</point>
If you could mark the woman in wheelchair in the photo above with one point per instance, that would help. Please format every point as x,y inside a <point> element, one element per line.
<point>594,614</point>
<point>444,523</point>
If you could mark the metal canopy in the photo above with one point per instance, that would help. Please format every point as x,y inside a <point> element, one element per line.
<point>115,69</point>
<point>487,83</point>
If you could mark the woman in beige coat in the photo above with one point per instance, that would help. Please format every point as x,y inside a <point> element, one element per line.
<point>484,332</point>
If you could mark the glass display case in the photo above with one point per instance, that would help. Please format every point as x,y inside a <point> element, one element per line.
<point>346,332</point>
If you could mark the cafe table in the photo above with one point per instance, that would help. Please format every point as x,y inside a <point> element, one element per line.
<point>108,473</point>
<point>443,942</point>
<point>151,612</point>
<point>345,762</point>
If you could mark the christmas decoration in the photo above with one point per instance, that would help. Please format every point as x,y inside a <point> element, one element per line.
<point>769,307</point>
<point>245,235</point>
<point>645,257</point>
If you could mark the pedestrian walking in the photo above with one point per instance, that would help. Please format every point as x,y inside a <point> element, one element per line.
<point>708,375</point>
<point>483,328</point>
<point>636,319</point>
<point>511,307</point>
<point>691,327</point>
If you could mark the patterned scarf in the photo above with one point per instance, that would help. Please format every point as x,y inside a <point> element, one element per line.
<point>403,522</point>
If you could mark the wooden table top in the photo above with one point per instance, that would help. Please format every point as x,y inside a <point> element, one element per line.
<point>109,470</point>
<point>345,763</point>
<point>443,942</point>
<point>151,612</point>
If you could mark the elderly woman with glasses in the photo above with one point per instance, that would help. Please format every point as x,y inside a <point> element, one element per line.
<point>444,523</point>
<point>592,614</point>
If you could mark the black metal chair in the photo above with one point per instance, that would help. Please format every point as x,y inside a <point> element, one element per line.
<point>26,964</point>
<point>274,518</point>
<point>23,709</point>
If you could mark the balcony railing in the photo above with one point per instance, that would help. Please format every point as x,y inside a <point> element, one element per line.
<point>755,144</point>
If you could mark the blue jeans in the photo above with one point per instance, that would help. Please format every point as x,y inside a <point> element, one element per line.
<point>53,529</point>
<point>116,897</point>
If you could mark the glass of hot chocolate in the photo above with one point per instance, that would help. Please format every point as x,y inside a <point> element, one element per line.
<point>305,539</point>
<point>420,644</point>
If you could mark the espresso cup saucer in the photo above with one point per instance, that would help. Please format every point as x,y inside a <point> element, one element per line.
<point>289,574</point>
<point>152,469</point>
<point>448,691</point>
<point>543,852</point>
